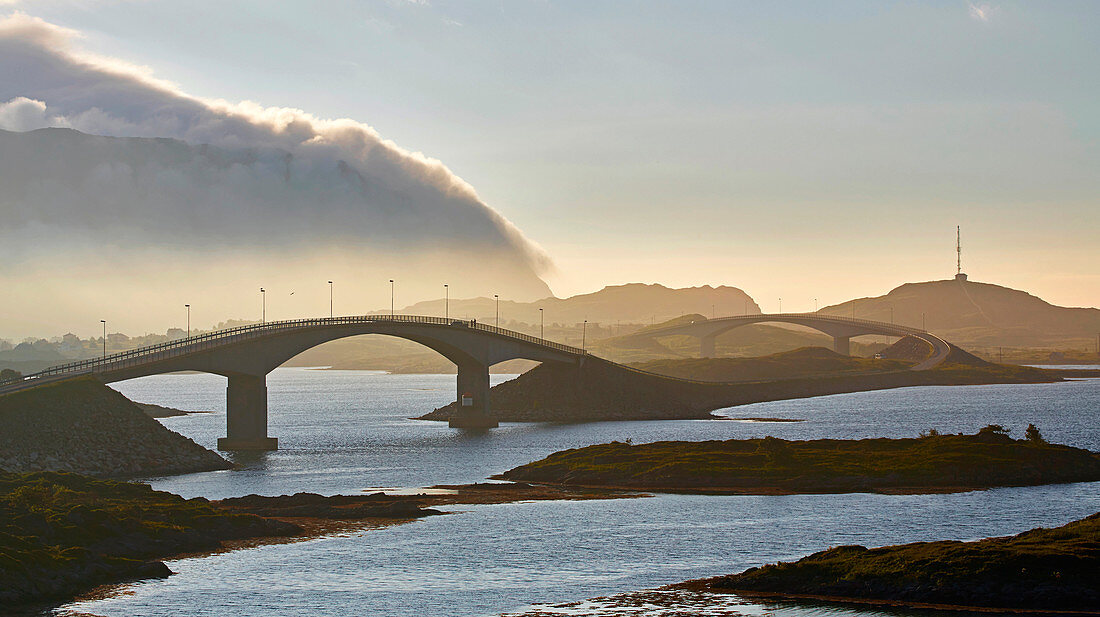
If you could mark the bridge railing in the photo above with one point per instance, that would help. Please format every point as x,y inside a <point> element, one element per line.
<point>202,342</point>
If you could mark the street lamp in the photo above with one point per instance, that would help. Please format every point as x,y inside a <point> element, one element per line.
<point>497,298</point>
<point>391,298</point>
<point>542,325</point>
<point>815,305</point>
<point>263,306</point>
<point>446,301</point>
<point>584,331</point>
<point>781,306</point>
<point>104,322</point>
<point>188,320</point>
<point>330,299</point>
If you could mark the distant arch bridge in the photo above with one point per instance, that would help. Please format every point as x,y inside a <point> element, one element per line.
<point>245,355</point>
<point>842,329</point>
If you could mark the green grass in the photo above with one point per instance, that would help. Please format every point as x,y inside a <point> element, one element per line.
<point>1048,569</point>
<point>824,465</point>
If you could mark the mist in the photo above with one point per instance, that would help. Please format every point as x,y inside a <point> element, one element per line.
<point>108,173</point>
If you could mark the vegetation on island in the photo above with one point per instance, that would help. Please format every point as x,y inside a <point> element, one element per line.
<point>62,533</point>
<point>1041,570</point>
<point>931,462</point>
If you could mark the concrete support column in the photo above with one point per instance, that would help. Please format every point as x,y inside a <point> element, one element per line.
<point>842,345</point>
<point>246,415</point>
<point>706,346</point>
<point>473,397</point>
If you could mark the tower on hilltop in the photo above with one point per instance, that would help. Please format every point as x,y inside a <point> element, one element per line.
<point>959,276</point>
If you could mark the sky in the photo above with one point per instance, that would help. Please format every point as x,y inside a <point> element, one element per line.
<point>796,150</point>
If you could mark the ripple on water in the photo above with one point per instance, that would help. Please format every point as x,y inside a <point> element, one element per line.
<point>341,431</point>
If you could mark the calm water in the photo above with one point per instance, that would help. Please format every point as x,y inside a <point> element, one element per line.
<point>348,431</point>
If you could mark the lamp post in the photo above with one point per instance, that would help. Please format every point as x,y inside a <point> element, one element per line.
<point>391,298</point>
<point>584,331</point>
<point>104,322</point>
<point>542,325</point>
<point>781,306</point>
<point>446,301</point>
<point>263,306</point>
<point>330,299</point>
<point>815,305</point>
<point>188,320</point>
<point>497,298</point>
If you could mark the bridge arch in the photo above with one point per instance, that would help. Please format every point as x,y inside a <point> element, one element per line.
<point>247,354</point>
<point>841,329</point>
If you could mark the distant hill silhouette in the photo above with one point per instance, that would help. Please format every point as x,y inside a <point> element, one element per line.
<point>971,313</point>
<point>630,303</point>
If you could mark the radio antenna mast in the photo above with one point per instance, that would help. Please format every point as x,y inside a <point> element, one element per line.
<point>959,276</point>
<point>958,250</point>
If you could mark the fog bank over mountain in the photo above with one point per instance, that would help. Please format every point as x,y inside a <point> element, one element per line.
<point>108,173</point>
<point>636,303</point>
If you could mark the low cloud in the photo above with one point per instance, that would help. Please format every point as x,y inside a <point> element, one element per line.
<point>229,175</point>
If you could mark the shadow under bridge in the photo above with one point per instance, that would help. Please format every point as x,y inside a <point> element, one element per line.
<point>245,355</point>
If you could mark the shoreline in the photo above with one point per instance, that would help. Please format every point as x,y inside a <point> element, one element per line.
<point>932,463</point>
<point>1037,571</point>
<point>795,598</point>
<point>774,491</point>
<point>320,526</point>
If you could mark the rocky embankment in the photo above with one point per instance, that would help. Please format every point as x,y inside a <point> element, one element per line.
<point>159,411</point>
<point>82,426</point>
<point>63,534</point>
<point>341,507</point>
<point>600,390</point>
<point>1037,571</point>
<point>931,463</point>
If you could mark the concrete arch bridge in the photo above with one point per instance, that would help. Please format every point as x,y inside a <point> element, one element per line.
<point>245,355</point>
<point>842,329</point>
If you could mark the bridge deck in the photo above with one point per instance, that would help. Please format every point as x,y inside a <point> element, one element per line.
<point>213,340</point>
<point>940,347</point>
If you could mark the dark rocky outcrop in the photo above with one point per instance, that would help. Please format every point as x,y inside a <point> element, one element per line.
<point>342,507</point>
<point>602,390</point>
<point>63,534</point>
<point>159,411</point>
<point>80,425</point>
<point>1038,570</point>
<point>939,463</point>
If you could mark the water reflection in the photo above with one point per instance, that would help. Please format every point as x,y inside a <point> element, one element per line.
<point>341,431</point>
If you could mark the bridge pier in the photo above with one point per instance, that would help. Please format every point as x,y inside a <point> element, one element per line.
<point>706,346</point>
<point>473,397</point>
<point>246,415</point>
<point>842,345</point>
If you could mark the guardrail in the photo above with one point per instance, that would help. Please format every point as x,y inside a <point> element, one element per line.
<point>209,340</point>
